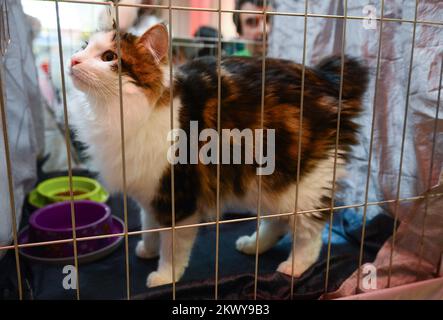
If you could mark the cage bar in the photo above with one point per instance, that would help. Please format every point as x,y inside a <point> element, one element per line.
<point>122,135</point>
<point>279,13</point>
<point>218,204</point>
<point>262,112</point>
<point>300,133</point>
<point>431,166</point>
<point>411,62</point>
<point>371,144</point>
<point>340,104</point>
<point>68,149</point>
<point>206,224</point>
<point>171,98</point>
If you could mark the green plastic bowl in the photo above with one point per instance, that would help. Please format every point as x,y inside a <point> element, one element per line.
<point>57,190</point>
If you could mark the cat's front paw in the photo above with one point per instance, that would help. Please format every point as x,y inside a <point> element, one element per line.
<point>286,268</point>
<point>145,253</point>
<point>246,244</point>
<point>156,279</point>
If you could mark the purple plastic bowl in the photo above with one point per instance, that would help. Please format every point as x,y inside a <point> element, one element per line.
<point>53,222</point>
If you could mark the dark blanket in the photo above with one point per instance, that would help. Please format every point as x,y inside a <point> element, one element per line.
<point>106,278</point>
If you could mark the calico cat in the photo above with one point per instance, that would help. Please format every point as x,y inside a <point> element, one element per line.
<point>147,117</point>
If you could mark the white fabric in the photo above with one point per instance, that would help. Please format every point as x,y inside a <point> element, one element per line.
<point>24,119</point>
<point>324,38</point>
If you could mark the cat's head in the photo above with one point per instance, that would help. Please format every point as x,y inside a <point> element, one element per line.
<point>144,64</point>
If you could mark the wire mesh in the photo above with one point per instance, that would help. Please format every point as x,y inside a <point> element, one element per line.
<point>262,112</point>
<point>123,154</point>
<point>219,11</point>
<point>171,96</point>
<point>334,176</point>
<point>4,41</point>
<point>218,204</point>
<point>302,95</point>
<point>371,145</point>
<point>68,149</point>
<point>411,61</point>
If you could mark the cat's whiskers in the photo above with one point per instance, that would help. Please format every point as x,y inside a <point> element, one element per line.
<point>96,86</point>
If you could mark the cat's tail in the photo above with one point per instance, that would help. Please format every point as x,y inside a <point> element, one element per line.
<point>355,75</point>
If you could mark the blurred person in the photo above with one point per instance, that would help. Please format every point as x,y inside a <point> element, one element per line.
<point>208,36</point>
<point>250,26</point>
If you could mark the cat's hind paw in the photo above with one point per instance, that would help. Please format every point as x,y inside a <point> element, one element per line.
<point>286,268</point>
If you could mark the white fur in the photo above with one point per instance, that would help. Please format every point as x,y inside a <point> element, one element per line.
<point>307,243</point>
<point>98,123</point>
<point>183,242</point>
<point>146,146</point>
<point>149,246</point>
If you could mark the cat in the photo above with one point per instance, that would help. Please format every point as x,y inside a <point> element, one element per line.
<point>147,95</point>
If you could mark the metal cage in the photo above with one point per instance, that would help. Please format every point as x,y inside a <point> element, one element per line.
<point>170,8</point>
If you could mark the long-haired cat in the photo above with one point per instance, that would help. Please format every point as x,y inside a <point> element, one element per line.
<point>147,121</point>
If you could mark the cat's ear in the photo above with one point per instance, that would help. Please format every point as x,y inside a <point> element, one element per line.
<point>156,40</point>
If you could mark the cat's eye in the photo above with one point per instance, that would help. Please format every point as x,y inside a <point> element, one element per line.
<point>109,56</point>
<point>253,22</point>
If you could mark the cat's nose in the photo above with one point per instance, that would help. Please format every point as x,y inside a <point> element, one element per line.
<point>74,62</point>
